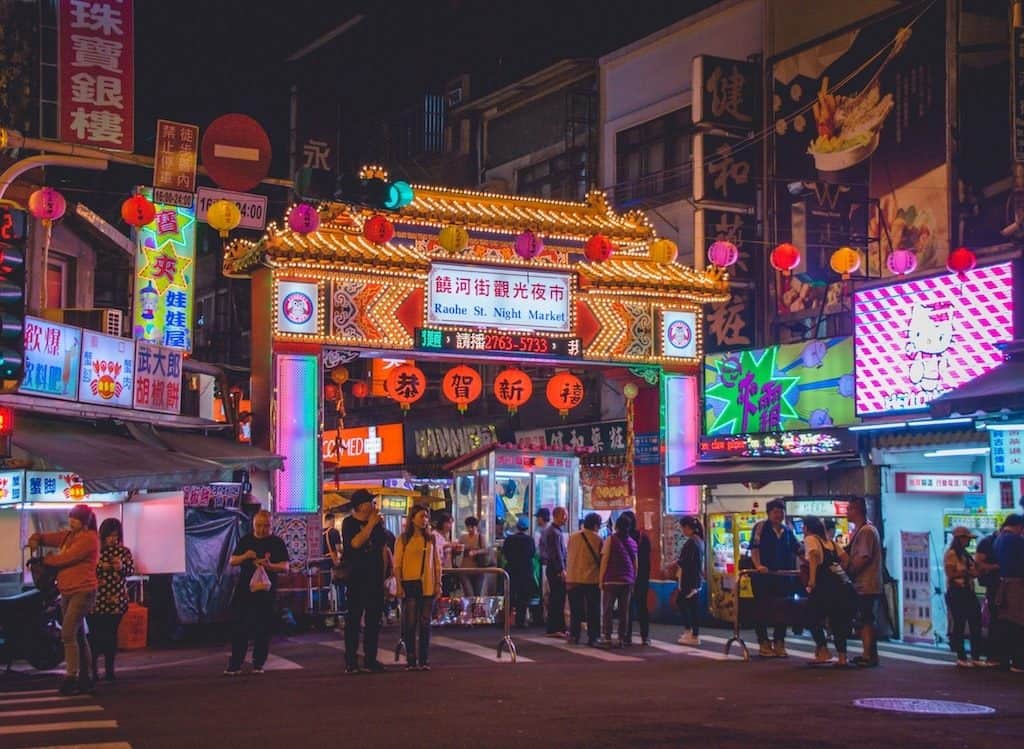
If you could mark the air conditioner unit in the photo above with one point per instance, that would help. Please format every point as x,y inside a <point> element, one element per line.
<point>101,319</point>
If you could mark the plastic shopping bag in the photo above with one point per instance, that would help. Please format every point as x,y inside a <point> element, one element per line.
<point>260,581</point>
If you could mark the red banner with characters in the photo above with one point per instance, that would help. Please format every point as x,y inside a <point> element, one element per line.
<point>605,487</point>
<point>97,73</point>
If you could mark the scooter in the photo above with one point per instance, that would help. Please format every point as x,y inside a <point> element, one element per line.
<point>30,619</point>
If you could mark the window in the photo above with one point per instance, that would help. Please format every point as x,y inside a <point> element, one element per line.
<point>563,177</point>
<point>654,159</point>
<point>59,282</point>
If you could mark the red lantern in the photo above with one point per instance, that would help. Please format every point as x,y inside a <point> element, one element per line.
<point>598,248</point>
<point>360,389</point>
<point>331,392</point>
<point>960,261</point>
<point>138,211</point>
<point>512,387</point>
<point>406,384</point>
<point>565,392</point>
<point>378,229</point>
<point>462,385</point>
<point>785,258</point>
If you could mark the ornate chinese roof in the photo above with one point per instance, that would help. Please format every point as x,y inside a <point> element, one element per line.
<point>493,222</point>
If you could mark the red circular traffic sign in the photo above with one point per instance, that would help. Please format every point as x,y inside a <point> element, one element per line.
<point>236,152</point>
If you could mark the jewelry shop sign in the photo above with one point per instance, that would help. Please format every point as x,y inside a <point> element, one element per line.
<point>469,296</point>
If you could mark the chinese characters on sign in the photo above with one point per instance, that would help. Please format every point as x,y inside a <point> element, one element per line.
<point>164,286</point>
<point>939,483</point>
<point>605,438</point>
<point>729,93</point>
<point>52,358</point>
<point>1006,448</point>
<point>12,487</point>
<point>96,73</point>
<point>501,298</point>
<point>731,324</point>
<point>157,378</point>
<point>106,371</point>
<point>520,344</point>
<point>54,486</point>
<point>605,488</point>
<point>725,170</point>
<point>213,496</point>
<point>917,587</point>
<point>174,170</point>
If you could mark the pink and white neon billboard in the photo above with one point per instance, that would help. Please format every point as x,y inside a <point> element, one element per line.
<point>916,340</point>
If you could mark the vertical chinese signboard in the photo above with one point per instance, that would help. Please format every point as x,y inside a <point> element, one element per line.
<point>157,378</point>
<point>727,100</point>
<point>164,268</point>
<point>96,73</point>
<point>174,167</point>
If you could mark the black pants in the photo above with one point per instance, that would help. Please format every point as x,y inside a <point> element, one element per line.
<point>638,611</point>
<point>690,609</point>
<point>585,605</point>
<point>831,607</point>
<point>254,620</point>
<point>103,639</point>
<point>368,600</point>
<point>416,628</point>
<point>966,613</point>
<point>556,603</point>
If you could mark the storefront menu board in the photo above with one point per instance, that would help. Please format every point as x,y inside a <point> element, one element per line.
<point>52,356</point>
<point>919,339</point>
<point>794,386</point>
<point>1006,450</point>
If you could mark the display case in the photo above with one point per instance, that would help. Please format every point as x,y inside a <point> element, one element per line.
<point>500,485</point>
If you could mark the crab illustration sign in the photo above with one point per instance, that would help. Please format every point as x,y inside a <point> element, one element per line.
<point>915,341</point>
<point>107,371</point>
<point>780,388</point>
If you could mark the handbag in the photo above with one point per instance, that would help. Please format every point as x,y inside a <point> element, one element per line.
<point>260,581</point>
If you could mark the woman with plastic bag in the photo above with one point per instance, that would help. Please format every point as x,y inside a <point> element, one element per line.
<point>75,560</point>
<point>261,556</point>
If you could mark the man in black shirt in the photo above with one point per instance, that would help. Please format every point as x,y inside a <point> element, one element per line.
<point>364,543</point>
<point>254,609</point>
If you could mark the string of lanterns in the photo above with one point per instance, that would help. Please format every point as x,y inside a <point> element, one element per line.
<point>462,385</point>
<point>846,261</point>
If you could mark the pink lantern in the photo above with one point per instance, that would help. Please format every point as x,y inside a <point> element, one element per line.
<point>901,262</point>
<point>723,254</point>
<point>528,245</point>
<point>303,219</point>
<point>47,204</point>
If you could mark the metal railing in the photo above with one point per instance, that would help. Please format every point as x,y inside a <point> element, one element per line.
<point>315,601</point>
<point>737,637</point>
<point>506,642</point>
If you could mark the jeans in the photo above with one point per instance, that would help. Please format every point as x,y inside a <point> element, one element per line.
<point>74,608</point>
<point>616,594</point>
<point>690,609</point>
<point>638,611</point>
<point>416,613</point>
<point>103,639</point>
<point>254,620</point>
<point>368,600</point>
<point>966,612</point>
<point>585,605</point>
<point>556,603</point>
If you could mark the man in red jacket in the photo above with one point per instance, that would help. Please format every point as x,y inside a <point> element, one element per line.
<point>76,558</point>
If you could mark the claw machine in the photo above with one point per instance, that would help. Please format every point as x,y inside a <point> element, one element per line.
<point>728,551</point>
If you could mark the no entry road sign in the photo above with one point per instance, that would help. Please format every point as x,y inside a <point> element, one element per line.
<point>236,152</point>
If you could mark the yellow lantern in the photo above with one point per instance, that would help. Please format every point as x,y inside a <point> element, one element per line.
<point>664,251</point>
<point>453,239</point>
<point>223,216</point>
<point>339,375</point>
<point>845,261</point>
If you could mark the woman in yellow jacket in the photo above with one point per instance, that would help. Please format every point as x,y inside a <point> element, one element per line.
<point>418,576</point>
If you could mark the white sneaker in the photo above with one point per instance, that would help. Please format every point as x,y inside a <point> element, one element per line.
<point>964,663</point>
<point>688,638</point>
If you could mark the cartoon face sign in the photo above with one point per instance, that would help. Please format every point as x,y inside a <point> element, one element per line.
<point>930,334</point>
<point>297,307</point>
<point>680,334</point>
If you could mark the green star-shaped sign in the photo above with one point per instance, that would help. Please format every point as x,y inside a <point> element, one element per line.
<point>746,392</point>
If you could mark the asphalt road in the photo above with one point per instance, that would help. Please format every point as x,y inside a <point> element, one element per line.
<point>554,696</point>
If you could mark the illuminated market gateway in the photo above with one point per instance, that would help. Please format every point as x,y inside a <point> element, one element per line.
<point>494,294</point>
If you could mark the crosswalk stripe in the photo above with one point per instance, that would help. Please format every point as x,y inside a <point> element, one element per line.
<point>686,650</point>
<point>51,711</point>
<point>472,648</point>
<point>277,663</point>
<point>27,692</point>
<point>333,644</point>
<point>50,727</point>
<point>23,700</point>
<point>587,652</point>
<point>101,745</point>
<point>794,648</point>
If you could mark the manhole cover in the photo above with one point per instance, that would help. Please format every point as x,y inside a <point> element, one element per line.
<point>923,707</point>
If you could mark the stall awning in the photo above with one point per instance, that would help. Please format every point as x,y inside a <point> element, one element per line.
<point>737,472</point>
<point>999,388</point>
<point>108,460</point>
<point>220,449</point>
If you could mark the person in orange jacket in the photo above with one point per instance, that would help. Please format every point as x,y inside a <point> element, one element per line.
<point>78,551</point>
